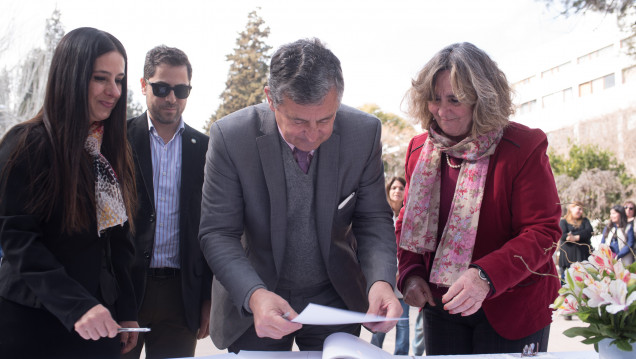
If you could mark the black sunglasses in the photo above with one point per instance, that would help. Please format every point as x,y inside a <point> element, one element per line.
<point>628,207</point>
<point>163,90</point>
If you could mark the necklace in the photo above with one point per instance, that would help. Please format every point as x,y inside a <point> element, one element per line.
<point>450,164</point>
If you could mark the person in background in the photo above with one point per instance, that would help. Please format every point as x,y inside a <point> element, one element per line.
<point>620,235</point>
<point>395,197</point>
<point>67,194</point>
<point>481,214</point>
<point>294,210</point>
<point>630,210</point>
<point>418,344</point>
<point>172,279</point>
<point>575,244</point>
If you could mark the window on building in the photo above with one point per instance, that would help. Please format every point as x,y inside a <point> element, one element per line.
<point>596,85</point>
<point>608,81</point>
<point>527,107</point>
<point>607,50</point>
<point>557,98</point>
<point>555,70</point>
<point>629,74</point>
<point>585,89</point>
<point>517,86</point>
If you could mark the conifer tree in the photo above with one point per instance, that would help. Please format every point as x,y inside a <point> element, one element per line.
<point>249,65</point>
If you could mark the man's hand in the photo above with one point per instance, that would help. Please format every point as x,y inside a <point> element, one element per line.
<point>96,323</point>
<point>204,328</point>
<point>128,339</point>
<point>272,315</point>
<point>382,301</point>
<point>467,294</point>
<point>416,292</point>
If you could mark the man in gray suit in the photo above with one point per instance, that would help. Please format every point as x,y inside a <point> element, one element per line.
<point>294,210</point>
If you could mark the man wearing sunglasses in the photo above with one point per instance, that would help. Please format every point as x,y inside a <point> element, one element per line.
<point>172,280</point>
<point>294,210</point>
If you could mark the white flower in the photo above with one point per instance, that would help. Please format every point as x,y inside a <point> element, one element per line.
<point>617,297</point>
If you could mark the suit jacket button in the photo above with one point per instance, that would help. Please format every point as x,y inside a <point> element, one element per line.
<point>146,254</point>
<point>152,217</point>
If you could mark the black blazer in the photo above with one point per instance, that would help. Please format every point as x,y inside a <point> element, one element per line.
<point>46,268</point>
<point>196,276</point>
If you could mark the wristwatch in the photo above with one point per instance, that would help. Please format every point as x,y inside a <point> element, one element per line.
<point>483,276</point>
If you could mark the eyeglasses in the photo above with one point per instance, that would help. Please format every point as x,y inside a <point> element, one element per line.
<point>163,90</point>
<point>628,207</point>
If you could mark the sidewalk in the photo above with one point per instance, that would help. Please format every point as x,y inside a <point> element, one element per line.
<point>558,341</point>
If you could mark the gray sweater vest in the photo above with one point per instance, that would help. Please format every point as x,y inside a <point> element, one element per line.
<point>303,266</point>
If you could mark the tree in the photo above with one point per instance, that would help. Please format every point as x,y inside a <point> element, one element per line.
<point>24,86</point>
<point>624,10</point>
<point>396,134</point>
<point>593,176</point>
<point>133,108</point>
<point>249,65</point>
<point>599,190</point>
<point>587,157</point>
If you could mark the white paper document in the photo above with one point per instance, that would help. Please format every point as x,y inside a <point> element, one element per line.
<point>316,314</point>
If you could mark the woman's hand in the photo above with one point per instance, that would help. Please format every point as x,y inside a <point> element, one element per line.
<point>96,323</point>
<point>467,294</point>
<point>416,292</point>
<point>128,339</point>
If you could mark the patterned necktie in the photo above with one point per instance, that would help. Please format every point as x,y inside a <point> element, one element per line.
<point>303,158</point>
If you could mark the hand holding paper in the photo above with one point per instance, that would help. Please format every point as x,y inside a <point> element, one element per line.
<point>268,309</point>
<point>316,314</point>
<point>383,302</point>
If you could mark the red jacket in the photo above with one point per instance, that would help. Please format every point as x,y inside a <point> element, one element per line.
<point>519,218</point>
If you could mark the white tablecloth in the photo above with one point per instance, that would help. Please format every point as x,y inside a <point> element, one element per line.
<point>318,355</point>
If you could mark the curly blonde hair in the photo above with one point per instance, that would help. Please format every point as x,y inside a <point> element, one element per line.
<point>476,81</point>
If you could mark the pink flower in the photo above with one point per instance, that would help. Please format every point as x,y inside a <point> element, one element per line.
<point>603,258</point>
<point>622,273</point>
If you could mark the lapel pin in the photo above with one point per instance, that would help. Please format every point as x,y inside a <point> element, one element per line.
<point>194,140</point>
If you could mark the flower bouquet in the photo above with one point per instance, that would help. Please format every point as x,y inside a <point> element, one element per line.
<point>601,292</point>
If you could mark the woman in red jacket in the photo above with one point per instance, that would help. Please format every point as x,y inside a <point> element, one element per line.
<point>481,219</point>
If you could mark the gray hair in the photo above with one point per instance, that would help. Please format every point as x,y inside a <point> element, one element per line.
<point>305,71</point>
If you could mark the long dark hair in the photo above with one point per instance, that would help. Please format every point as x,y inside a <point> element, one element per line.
<point>622,218</point>
<point>59,130</point>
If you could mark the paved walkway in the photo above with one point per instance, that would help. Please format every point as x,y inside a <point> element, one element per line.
<point>558,341</point>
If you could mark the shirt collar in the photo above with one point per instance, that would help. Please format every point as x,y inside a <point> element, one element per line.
<point>152,129</point>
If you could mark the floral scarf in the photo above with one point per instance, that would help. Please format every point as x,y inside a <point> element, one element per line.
<point>111,210</point>
<point>421,215</point>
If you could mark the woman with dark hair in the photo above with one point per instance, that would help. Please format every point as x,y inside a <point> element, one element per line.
<point>620,234</point>
<point>395,197</point>
<point>66,194</point>
<point>575,243</point>
<point>395,194</point>
<point>480,220</point>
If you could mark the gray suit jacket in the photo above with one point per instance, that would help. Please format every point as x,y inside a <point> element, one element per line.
<point>243,212</point>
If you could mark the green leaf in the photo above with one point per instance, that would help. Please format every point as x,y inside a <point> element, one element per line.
<point>580,331</point>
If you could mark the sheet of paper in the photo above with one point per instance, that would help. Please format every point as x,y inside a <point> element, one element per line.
<point>321,315</point>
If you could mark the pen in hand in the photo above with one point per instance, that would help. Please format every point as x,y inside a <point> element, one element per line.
<point>122,330</point>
